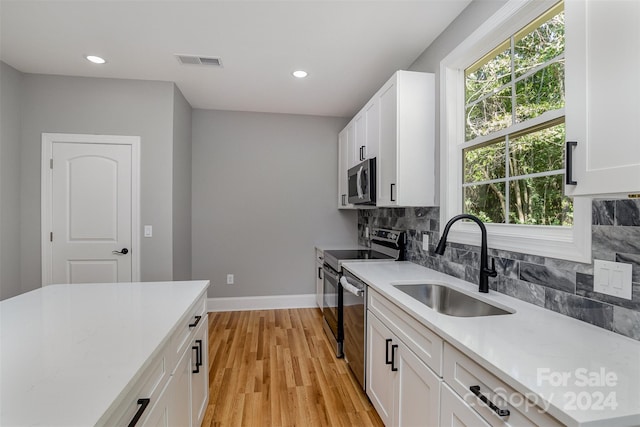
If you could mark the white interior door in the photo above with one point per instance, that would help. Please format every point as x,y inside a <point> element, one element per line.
<point>90,211</point>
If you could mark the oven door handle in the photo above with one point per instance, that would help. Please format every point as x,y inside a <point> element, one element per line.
<point>329,272</point>
<point>351,288</point>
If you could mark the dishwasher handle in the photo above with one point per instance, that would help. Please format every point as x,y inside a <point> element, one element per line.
<point>351,288</point>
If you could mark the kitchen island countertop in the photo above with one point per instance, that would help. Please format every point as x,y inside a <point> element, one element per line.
<point>68,352</point>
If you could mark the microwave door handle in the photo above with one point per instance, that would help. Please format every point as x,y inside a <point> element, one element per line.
<point>359,183</point>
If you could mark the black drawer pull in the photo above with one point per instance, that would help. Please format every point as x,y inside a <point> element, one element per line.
<point>475,389</point>
<point>194,324</point>
<point>391,196</point>
<point>387,360</point>
<point>568,158</point>
<point>144,403</point>
<point>320,273</point>
<point>393,357</point>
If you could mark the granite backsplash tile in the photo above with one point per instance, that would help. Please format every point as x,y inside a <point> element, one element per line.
<point>562,286</point>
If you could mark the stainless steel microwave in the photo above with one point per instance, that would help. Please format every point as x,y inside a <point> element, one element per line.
<point>362,183</point>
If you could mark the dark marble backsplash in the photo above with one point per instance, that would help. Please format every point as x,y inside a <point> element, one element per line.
<point>562,286</point>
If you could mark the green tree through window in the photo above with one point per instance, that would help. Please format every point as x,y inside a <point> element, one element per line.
<point>513,168</point>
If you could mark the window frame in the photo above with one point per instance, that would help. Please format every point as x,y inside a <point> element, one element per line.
<point>568,243</point>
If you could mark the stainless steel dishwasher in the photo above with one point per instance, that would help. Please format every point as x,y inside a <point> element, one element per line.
<point>354,324</point>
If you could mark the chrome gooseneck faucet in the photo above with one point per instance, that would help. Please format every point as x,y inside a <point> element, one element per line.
<point>485,271</point>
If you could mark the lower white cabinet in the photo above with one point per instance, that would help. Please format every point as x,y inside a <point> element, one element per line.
<point>180,411</point>
<point>199,374</point>
<point>402,388</point>
<point>455,412</point>
<point>174,389</point>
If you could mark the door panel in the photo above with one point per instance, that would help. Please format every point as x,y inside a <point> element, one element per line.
<point>91,212</point>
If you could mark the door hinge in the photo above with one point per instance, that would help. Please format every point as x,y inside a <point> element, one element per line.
<point>50,163</point>
<point>51,236</point>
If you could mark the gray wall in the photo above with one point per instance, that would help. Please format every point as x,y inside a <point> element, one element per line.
<point>264,193</point>
<point>181,191</point>
<point>103,106</point>
<point>466,23</point>
<point>11,88</point>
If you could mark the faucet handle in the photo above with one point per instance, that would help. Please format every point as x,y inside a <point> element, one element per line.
<point>491,272</point>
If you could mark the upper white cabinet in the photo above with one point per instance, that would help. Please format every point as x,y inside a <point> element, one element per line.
<point>343,167</point>
<point>397,127</point>
<point>406,156</point>
<point>603,96</point>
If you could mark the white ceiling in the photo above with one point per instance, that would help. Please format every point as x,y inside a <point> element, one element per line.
<point>349,48</point>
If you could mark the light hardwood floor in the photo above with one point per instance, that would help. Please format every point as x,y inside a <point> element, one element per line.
<point>276,368</point>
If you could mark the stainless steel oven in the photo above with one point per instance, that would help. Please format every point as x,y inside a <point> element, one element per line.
<point>385,245</point>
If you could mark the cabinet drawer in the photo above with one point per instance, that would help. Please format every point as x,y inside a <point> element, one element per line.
<point>187,326</point>
<point>461,373</point>
<point>420,339</point>
<point>149,386</point>
<point>319,256</point>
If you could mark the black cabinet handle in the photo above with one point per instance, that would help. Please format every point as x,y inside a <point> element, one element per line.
<point>143,405</point>
<point>124,251</point>
<point>393,357</point>
<point>198,349</point>
<point>475,389</point>
<point>391,196</point>
<point>319,272</point>
<point>387,360</point>
<point>363,152</point>
<point>568,158</point>
<point>194,324</point>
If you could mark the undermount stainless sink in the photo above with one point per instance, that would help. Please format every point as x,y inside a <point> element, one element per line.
<point>451,302</point>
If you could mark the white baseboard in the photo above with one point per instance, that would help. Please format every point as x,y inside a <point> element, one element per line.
<point>261,302</point>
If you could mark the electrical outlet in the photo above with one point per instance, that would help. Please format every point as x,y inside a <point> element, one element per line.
<point>425,241</point>
<point>230,279</point>
<point>148,231</point>
<point>612,278</point>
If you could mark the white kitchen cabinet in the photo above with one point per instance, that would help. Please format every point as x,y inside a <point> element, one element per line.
<point>159,414</point>
<point>406,154</point>
<point>199,371</point>
<point>603,96</point>
<point>180,388</point>
<point>461,374</point>
<point>402,388</point>
<point>379,378</point>
<point>455,412</point>
<point>345,156</point>
<point>360,141</point>
<point>319,278</point>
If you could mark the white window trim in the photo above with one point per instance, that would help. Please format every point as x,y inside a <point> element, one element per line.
<point>573,243</point>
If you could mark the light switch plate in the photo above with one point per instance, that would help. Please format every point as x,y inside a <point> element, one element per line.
<point>425,241</point>
<point>612,278</point>
<point>148,231</point>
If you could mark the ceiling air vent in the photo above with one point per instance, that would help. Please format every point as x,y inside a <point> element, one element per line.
<point>199,60</point>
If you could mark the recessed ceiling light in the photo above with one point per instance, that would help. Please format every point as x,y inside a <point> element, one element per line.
<point>300,74</point>
<point>95,59</point>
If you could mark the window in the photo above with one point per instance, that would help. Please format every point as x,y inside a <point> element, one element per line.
<point>503,135</point>
<point>512,163</point>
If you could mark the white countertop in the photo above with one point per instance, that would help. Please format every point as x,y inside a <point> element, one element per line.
<point>68,351</point>
<point>523,348</point>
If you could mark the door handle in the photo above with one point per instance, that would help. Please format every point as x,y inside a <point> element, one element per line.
<point>124,251</point>
<point>568,158</point>
<point>198,349</point>
<point>387,360</point>
<point>393,357</point>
